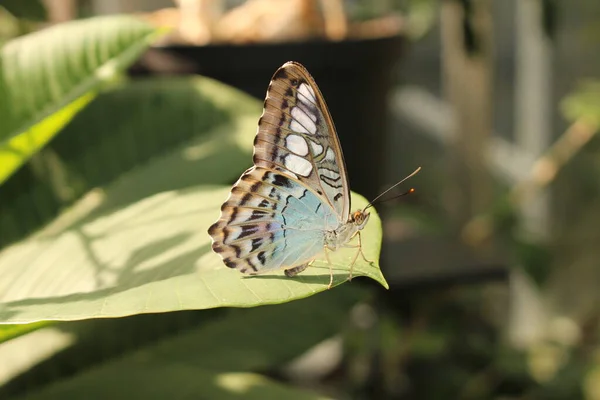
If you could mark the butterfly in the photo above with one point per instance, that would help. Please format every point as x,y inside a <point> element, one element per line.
<point>294,203</point>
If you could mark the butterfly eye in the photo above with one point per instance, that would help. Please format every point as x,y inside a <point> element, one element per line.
<point>358,217</point>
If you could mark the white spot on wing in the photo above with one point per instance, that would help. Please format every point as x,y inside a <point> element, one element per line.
<point>286,172</point>
<point>297,144</point>
<point>330,155</point>
<point>307,92</point>
<point>309,110</point>
<point>298,165</point>
<point>317,149</point>
<point>329,173</point>
<point>296,127</point>
<point>304,120</point>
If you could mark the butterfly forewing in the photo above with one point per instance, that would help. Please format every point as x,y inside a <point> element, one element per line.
<point>296,136</point>
<point>278,212</point>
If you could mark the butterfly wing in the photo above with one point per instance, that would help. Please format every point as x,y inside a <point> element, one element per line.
<point>270,221</point>
<point>278,211</point>
<point>296,136</point>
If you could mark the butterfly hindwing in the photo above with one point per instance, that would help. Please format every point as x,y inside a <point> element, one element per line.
<point>270,221</point>
<point>296,136</point>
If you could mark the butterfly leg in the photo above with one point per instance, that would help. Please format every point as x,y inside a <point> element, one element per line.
<point>295,270</point>
<point>360,251</point>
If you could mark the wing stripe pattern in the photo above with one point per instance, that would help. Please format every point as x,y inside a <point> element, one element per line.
<point>268,222</point>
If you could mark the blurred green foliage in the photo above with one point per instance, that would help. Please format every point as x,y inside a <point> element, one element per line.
<point>584,102</point>
<point>44,85</point>
<point>33,10</point>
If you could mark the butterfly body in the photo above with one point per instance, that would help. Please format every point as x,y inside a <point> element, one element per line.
<point>294,203</point>
<point>345,232</point>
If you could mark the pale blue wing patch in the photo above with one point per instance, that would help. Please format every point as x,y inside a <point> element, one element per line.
<point>270,221</point>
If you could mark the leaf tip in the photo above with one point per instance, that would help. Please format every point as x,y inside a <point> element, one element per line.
<point>382,281</point>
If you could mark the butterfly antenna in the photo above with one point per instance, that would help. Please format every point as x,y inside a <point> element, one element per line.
<point>409,191</point>
<point>392,187</point>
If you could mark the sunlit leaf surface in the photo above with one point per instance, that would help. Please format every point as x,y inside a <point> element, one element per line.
<point>152,256</point>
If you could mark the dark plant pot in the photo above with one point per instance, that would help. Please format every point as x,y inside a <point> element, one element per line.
<point>355,77</point>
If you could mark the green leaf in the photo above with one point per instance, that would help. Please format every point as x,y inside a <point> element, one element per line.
<point>15,151</point>
<point>153,256</point>
<point>114,254</point>
<point>8,332</point>
<point>127,126</point>
<point>223,347</point>
<point>145,380</point>
<point>33,10</point>
<point>215,341</point>
<point>48,76</point>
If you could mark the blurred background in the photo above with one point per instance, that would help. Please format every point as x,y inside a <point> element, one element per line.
<point>493,263</point>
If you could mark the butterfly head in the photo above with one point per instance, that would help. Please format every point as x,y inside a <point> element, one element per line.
<point>359,218</point>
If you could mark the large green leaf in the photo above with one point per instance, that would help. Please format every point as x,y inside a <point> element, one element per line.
<point>114,254</point>
<point>216,341</point>
<point>226,344</point>
<point>48,76</point>
<point>125,127</point>
<point>152,256</point>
